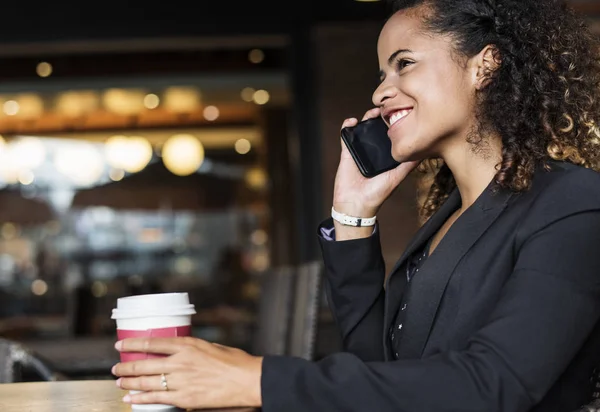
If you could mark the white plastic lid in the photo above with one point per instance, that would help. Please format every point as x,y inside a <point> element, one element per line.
<point>159,304</point>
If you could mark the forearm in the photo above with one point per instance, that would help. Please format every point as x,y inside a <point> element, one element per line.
<point>457,381</point>
<point>365,338</point>
<point>355,273</point>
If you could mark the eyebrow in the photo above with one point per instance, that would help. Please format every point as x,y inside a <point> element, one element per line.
<point>393,57</point>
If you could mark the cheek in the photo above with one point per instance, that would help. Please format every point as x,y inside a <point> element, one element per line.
<point>445,101</point>
<point>442,109</point>
<point>442,85</point>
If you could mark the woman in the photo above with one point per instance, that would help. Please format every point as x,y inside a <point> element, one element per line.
<point>494,305</point>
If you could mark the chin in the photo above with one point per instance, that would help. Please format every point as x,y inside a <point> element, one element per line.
<point>398,157</point>
<point>404,154</point>
<point>404,151</point>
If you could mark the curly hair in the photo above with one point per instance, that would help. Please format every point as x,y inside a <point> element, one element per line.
<point>543,100</point>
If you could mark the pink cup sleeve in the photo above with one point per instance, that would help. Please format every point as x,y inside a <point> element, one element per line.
<point>150,333</point>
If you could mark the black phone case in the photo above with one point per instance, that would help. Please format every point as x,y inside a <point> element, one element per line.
<point>347,139</point>
<point>355,156</point>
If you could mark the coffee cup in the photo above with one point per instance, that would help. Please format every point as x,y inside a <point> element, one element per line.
<point>161,315</point>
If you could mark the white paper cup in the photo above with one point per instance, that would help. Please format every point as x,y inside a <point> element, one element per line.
<point>157,315</point>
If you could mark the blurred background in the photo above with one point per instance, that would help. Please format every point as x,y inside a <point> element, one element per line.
<point>178,147</point>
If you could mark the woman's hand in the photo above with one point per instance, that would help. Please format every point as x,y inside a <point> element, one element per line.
<point>199,374</point>
<point>357,195</point>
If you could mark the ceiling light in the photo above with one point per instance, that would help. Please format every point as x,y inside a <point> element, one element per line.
<point>243,146</point>
<point>211,113</point>
<point>248,94</point>
<point>182,154</point>
<point>256,56</point>
<point>261,97</point>
<point>151,101</point>
<point>43,69</point>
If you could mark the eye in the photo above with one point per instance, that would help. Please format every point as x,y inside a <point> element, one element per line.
<point>401,64</point>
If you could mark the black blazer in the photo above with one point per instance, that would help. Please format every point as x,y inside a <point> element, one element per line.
<point>503,315</point>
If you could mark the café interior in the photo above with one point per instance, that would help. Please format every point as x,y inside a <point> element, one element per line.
<point>166,154</point>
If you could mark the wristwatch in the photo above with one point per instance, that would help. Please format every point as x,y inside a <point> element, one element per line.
<point>352,220</point>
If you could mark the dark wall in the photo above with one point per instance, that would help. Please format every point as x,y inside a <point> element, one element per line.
<point>69,20</point>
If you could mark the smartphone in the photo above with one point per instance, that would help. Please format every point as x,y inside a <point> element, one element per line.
<point>370,146</point>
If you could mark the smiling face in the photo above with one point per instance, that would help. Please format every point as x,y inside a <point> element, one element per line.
<point>426,95</point>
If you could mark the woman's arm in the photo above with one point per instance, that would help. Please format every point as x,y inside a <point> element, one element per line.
<point>355,273</point>
<point>547,310</point>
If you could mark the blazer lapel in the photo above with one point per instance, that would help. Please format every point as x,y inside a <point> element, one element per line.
<point>393,295</point>
<point>427,288</point>
<point>430,227</point>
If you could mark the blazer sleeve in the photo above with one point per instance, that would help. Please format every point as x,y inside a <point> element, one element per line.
<point>546,311</point>
<point>355,273</point>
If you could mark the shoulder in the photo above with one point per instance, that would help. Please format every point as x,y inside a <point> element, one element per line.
<point>563,172</point>
<point>562,191</point>
<point>566,183</point>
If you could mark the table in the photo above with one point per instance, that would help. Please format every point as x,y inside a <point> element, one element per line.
<point>68,396</point>
<point>77,357</point>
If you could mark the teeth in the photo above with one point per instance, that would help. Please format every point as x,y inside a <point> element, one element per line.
<point>399,115</point>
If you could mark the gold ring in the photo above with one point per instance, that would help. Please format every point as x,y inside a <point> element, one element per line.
<point>163,382</point>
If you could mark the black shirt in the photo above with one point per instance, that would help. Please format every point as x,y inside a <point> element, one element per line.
<point>411,268</point>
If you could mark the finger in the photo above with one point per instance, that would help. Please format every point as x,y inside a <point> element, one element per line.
<point>410,166</point>
<point>399,173</point>
<point>221,347</point>
<point>142,383</point>
<point>164,346</point>
<point>142,367</point>
<point>351,122</point>
<point>371,114</point>
<point>156,397</point>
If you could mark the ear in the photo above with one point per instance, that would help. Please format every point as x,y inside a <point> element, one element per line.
<point>484,65</point>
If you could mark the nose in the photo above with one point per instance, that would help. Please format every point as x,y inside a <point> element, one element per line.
<point>384,92</point>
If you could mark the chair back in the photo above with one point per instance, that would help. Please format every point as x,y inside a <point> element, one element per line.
<point>288,311</point>
<point>305,310</point>
<point>274,312</point>
<point>15,359</point>
<point>592,407</point>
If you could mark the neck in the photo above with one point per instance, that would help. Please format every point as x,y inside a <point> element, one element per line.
<point>473,170</point>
